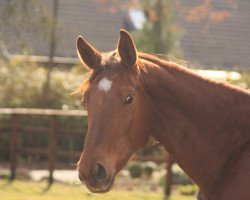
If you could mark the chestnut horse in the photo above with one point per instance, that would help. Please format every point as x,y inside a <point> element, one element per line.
<point>131,96</point>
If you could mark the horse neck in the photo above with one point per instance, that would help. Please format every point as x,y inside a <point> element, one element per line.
<point>192,117</point>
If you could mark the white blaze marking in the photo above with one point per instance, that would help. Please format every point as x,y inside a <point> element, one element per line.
<point>105,84</point>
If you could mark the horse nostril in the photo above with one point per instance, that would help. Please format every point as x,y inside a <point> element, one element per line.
<point>99,173</point>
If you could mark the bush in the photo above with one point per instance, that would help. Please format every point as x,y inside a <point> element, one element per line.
<point>22,82</point>
<point>21,85</point>
<point>188,189</point>
<point>179,178</point>
<point>162,180</point>
<point>149,168</point>
<point>135,170</point>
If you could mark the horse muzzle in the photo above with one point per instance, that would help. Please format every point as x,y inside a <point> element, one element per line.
<point>97,180</point>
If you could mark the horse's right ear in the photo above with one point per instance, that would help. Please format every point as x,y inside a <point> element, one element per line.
<point>88,54</point>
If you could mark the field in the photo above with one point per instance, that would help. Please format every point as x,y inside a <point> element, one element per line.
<point>24,190</point>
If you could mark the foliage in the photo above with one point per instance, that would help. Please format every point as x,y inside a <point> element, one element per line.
<point>153,149</point>
<point>148,168</point>
<point>25,16</point>
<point>178,178</point>
<point>160,34</point>
<point>21,83</point>
<point>30,190</point>
<point>162,180</point>
<point>188,189</point>
<point>203,11</point>
<point>244,82</point>
<point>135,169</point>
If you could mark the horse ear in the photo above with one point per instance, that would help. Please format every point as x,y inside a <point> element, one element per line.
<point>88,54</point>
<point>126,48</point>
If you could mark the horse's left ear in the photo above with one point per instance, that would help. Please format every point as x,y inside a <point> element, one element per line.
<point>126,48</point>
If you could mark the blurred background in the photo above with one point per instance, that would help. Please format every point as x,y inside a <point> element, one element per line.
<point>42,126</point>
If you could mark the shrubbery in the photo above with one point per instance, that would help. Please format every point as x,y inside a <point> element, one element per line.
<point>148,168</point>
<point>178,178</point>
<point>21,85</point>
<point>138,169</point>
<point>135,169</point>
<point>188,189</point>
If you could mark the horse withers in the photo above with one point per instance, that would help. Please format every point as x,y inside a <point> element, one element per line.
<point>131,96</point>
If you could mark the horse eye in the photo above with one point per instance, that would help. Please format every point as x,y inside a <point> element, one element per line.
<point>129,99</point>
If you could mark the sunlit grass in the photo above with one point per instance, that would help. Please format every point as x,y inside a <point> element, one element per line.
<point>24,190</point>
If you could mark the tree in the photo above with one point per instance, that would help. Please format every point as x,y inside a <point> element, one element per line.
<point>203,11</point>
<point>27,16</point>
<point>52,50</point>
<point>160,34</point>
<point>23,17</point>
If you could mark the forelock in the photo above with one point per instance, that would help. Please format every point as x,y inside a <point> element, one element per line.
<point>110,59</point>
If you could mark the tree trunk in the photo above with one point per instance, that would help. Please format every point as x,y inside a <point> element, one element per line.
<point>158,29</point>
<point>52,50</point>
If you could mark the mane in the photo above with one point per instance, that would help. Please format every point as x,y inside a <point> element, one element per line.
<point>145,62</point>
<point>157,61</point>
<point>111,59</point>
<point>174,69</point>
<point>170,66</point>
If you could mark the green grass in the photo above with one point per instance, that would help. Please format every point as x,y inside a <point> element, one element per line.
<point>24,190</point>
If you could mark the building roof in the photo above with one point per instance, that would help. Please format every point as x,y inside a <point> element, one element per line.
<point>98,21</point>
<point>214,40</point>
<point>221,41</point>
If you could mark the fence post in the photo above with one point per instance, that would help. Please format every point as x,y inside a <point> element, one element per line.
<point>52,147</point>
<point>13,147</point>
<point>168,185</point>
